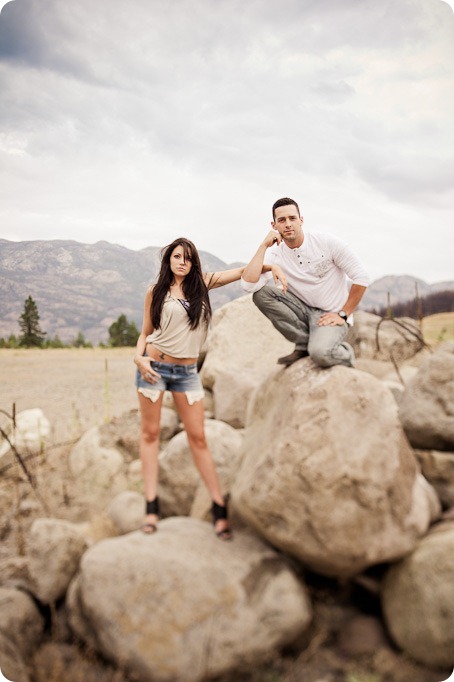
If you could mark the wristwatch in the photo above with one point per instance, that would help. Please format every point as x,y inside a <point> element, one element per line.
<point>343,315</point>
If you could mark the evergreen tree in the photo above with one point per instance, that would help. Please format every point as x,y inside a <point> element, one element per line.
<point>56,342</point>
<point>80,341</point>
<point>29,325</point>
<point>123,333</point>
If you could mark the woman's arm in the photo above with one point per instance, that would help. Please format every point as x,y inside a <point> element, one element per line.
<point>213,280</point>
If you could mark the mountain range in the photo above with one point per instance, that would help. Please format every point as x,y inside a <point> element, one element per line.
<point>85,287</point>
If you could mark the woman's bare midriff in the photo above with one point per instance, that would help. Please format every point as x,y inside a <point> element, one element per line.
<point>158,356</point>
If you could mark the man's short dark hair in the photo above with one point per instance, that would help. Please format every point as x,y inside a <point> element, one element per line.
<point>285,202</point>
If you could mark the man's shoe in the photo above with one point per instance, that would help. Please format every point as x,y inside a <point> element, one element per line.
<point>288,360</point>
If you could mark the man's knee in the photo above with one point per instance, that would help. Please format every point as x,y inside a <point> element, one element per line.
<point>322,357</point>
<point>264,296</point>
<point>329,357</point>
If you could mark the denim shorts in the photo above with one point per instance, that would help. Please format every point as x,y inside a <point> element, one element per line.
<point>173,377</point>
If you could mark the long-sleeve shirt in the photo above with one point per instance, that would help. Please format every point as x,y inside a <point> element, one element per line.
<point>317,272</point>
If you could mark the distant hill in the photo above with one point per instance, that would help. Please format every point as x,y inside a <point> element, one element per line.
<point>401,288</point>
<point>85,287</point>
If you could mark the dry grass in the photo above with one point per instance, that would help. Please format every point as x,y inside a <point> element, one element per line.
<point>438,328</point>
<point>75,387</point>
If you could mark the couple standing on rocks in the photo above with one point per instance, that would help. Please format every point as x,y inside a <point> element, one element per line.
<point>299,280</point>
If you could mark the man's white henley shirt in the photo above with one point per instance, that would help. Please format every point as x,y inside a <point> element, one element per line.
<point>317,272</point>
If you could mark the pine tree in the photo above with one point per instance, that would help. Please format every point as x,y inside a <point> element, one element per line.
<point>29,325</point>
<point>123,333</point>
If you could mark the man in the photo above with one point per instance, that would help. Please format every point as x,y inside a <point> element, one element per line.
<point>315,307</point>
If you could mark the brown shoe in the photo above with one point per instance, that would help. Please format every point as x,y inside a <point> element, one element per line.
<point>288,360</point>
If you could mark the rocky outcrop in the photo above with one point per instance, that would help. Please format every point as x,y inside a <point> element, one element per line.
<point>427,406</point>
<point>54,551</point>
<point>327,473</point>
<point>126,511</point>
<point>97,463</point>
<point>243,344</point>
<point>418,599</point>
<point>21,622</point>
<point>181,605</point>
<point>399,339</point>
<point>438,468</point>
<point>12,663</point>
<point>123,433</point>
<point>178,476</point>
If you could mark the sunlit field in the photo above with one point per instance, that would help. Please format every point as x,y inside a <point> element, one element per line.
<point>438,328</point>
<point>82,387</point>
<point>75,387</point>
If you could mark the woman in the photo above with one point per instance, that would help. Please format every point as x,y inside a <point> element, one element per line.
<point>176,316</point>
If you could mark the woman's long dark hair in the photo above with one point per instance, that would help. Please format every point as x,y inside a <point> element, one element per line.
<point>194,288</point>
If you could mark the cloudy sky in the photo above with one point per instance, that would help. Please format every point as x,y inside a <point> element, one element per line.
<point>137,122</point>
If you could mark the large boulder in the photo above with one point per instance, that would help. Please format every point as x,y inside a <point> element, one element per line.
<point>438,468</point>
<point>427,406</point>
<point>123,433</point>
<point>54,549</point>
<point>418,599</point>
<point>98,471</point>
<point>178,476</point>
<point>182,605</point>
<point>126,511</point>
<point>21,622</point>
<point>243,345</point>
<point>12,662</point>
<point>375,339</point>
<point>327,474</point>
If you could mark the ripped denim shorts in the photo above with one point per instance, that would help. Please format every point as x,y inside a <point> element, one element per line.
<point>173,377</point>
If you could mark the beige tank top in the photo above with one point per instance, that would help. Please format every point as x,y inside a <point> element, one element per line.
<point>175,337</point>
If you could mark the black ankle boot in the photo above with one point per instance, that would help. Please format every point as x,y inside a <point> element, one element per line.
<point>219,513</point>
<point>151,507</point>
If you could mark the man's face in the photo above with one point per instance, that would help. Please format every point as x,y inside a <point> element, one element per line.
<point>288,223</point>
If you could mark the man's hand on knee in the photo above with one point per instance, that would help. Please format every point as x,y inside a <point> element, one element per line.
<point>331,320</point>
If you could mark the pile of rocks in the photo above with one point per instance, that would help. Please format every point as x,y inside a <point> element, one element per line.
<point>323,477</point>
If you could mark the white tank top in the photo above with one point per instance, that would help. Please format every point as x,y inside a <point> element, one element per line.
<point>175,337</point>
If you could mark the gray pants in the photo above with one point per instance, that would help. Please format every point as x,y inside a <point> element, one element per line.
<point>297,321</point>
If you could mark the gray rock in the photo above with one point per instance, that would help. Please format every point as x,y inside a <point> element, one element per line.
<point>21,622</point>
<point>243,345</point>
<point>438,468</point>
<point>126,511</point>
<point>400,339</point>
<point>29,437</point>
<point>178,475</point>
<point>182,605</point>
<point>418,599</point>
<point>54,549</point>
<point>427,406</point>
<point>13,665</point>
<point>327,473</point>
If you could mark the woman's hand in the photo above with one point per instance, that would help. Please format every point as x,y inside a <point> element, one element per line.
<point>146,370</point>
<point>278,276</point>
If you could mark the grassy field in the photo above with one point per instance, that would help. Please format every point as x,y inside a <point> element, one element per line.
<point>82,387</point>
<point>438,328</point>
<point>75,387</point>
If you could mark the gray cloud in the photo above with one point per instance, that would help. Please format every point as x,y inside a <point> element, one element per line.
<point>109,111</point>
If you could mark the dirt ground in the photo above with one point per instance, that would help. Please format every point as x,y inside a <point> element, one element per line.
<point>75,387</point>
